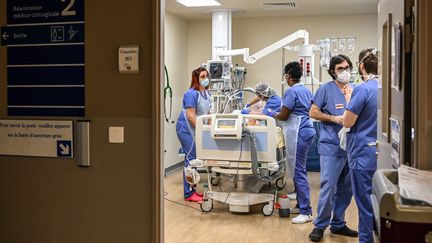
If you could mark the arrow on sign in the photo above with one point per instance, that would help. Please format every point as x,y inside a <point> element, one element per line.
<point>65,150</point>
<point>5,36</point>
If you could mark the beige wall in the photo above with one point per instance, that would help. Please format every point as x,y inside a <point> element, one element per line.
<point>45,200</point>
<point>176,60</point>
<point>257,33</point>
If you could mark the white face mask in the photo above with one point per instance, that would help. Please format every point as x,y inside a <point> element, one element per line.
<point>205,82</point>
<point>344,76</point>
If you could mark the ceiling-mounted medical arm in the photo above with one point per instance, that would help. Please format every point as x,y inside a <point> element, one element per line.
<point>299,34</point>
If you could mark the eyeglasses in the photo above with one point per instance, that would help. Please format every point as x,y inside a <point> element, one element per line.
<point>341,69</point>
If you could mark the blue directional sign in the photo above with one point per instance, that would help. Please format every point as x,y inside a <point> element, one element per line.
<point>44,11</point>
<point>45,57</point>
<point>64,148</point>
<point>42,34</point>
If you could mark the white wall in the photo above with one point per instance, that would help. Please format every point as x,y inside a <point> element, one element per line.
<point>257,33</point>
<point>176,59</point>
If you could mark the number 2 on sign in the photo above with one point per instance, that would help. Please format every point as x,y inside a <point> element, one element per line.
<point>67,11</point>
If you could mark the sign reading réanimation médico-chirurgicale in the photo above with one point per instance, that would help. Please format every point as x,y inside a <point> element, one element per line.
<point>36,138</point>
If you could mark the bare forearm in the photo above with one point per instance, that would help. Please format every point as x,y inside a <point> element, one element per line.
<point>321,116</point>
<point>255,100</point>
<point>317,114</point>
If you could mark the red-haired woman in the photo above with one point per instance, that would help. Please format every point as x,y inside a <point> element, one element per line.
<point>196,102</point>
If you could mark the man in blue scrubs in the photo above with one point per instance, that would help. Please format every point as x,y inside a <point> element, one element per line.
<point>328,106</point>
<point>299,134</point>
<point>361,117</point>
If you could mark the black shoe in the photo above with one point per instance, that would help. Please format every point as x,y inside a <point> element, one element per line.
<point>316,235</point>
<point>345,231</point>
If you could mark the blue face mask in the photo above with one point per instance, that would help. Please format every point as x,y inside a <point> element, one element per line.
<point>205,82</point>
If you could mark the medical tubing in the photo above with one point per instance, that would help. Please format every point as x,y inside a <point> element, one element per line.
<point>254,158</point>
<point>190,150</point>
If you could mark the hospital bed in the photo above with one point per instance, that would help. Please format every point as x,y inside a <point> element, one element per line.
<point>243,146</point>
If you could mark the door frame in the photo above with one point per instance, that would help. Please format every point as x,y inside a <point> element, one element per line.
<point>158,22</point>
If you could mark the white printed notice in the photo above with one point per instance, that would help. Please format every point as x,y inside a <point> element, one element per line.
<point>36,138</point>
<point>415,184</point>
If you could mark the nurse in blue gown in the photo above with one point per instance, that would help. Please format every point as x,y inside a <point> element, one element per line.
<point>361,117</point>
<point>299,134</point>
<point>196,102</point>
<point>268,94</point>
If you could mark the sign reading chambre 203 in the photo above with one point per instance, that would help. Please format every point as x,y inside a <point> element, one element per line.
<point>45,57</point>
<point>36,138</point>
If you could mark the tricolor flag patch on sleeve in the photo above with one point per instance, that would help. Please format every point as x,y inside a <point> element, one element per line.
<point>339,106</point>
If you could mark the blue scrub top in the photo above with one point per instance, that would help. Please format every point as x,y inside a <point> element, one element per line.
<point>330,100</point>
<point>190,100</point>
<point>363,103</point>
<point>298,100</point>
<point>273,104</point>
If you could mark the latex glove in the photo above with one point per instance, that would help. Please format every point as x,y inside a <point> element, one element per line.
<point>343,137</point>
<point>245,111</point>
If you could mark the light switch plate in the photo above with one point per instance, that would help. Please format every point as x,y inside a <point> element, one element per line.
<point>116,134</point>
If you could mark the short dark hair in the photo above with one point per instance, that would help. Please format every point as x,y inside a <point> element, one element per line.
<point>294,70</point>
<point>335,60</point>
<point>369,58</point>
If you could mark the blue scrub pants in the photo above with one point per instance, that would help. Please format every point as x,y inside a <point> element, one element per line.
<point>361,181</point>
<point>335,192</point>
<point>188,145</point>
<point>300,176</point>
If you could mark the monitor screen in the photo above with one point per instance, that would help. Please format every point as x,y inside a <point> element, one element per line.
<point>226,124</point>
<point>216,70</point>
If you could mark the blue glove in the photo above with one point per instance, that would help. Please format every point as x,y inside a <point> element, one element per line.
<point>247,106</point>
<point>245,111</point>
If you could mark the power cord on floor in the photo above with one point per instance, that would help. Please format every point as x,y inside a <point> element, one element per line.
<point>179,203</point>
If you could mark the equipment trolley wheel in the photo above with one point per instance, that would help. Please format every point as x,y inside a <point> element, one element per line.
<point>281,183</point>
<point>267,209</point>
<point>215,181</point>
<point>207,205</point>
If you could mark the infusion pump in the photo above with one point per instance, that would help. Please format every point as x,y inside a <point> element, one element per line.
<point>227,126</point>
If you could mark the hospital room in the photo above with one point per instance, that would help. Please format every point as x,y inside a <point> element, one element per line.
<point>295,121</point>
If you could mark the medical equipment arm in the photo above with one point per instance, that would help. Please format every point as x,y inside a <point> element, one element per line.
<point>299,34</point>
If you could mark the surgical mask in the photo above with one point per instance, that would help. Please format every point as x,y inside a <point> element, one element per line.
<point>205,82</point>
<point>344,76</point>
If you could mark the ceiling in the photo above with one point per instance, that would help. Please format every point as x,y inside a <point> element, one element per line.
<point>252,8</point>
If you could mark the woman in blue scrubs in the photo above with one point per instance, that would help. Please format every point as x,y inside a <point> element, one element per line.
<point>267,94</point>
<point>299,135</point>
<point>328,106</point>
<point>361,117</point>
<point>196,102</point>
